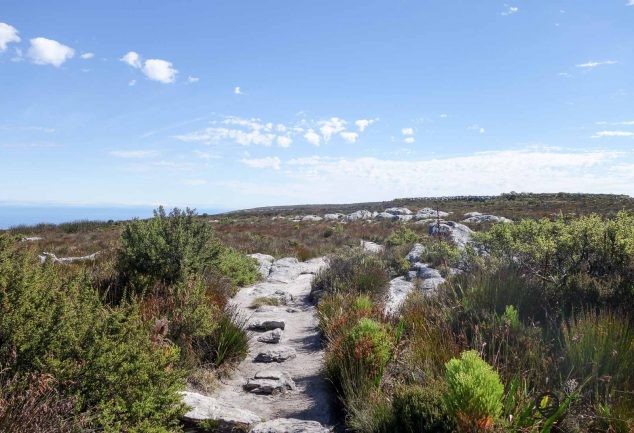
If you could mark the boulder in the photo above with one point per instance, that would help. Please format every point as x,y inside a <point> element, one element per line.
<point>311,218</point>
<point>267,324</point>
<point>478,219</point>
<point>416,253</point>
<point>428,213</point>
<point>398,211</point>
<point>277,354</point>
<point>359,215</point>
<point>334,216</point>
<point>270,382</point>
<point>372,247</point>
<point>386,216</point>
<point>431,283</point>
<point>225,416</point>
<point>312,266</point>
<point>264,263</point>
<point>404,218</point>
<point>460,234</point>
<point>289,425</point>
<point>271,337</point>
<point>424,272</point>
<point>31,239</point>
<point>398,291</point>
<point>472,214</point>
<point>285,270</point>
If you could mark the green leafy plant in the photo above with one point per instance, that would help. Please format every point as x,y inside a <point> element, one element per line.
<point>474,391</point>
<point>421,409</point>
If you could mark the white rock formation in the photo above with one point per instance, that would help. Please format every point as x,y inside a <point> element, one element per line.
<point>334,216</point>
<point>398,211</point>
<point>460,234</point>
<point>65,260</point>
<point>429,213</point>
<point>264,263</point>
<point>312,218</point>
<point>478,219</point>
<point>359,215</point>
<point>287,425</point>
<point>227,417</point>
<point>372,247</point>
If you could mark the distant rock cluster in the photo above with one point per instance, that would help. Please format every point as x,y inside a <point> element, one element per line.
<point>402,214</point>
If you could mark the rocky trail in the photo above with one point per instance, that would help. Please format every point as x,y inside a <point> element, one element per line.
<point>280,386</point>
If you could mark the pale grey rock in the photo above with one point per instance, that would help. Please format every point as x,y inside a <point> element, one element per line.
<point>429,213</point>
<point>416,253</point>
<point>271,337</point>
<point>276,354</point>
<point>266,309</point>
<point>270,382</point>
<point>404,218</point>
<point>472,214</point>
<point>478,219</point>
<point>424,272</point>
<point>65,260</point>
<point>267,324</point>
<point>359,215</point>
<point>398,211</point>
<point>334,216</point>
<point>460,234</point>
<point>432,283</point>
<point>387,216</point>
<point>289,425</point>
<point>285,270</point>
<point>227,417</point>
<point>312,218</point>
<point>31,239</point>
<point>372,247</point>
<point>398,291</point>
<point>312,266</point>
<point>293,310</point>
<point>264,263</point>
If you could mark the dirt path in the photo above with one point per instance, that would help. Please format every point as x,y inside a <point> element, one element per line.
<point>311,397</point>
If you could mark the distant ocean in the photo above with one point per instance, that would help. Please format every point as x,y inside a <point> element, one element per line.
<point>13,215</point>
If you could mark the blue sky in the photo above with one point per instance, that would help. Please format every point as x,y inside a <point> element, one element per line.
<point>245,103</point>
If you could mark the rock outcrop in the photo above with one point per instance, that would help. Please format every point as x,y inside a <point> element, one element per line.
<point>460,234</point>
<point>265,262</point>
<point>478,218</point>
<point>286,425</point>
<point>225,416</point>
<point>360,215</point>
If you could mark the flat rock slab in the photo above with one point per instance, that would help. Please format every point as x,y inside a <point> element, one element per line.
<point>267,324</point>
<point>264,263</point>
<point>288,425</point>
<point>399,289</point>
<point>416,253</point>
<point>227,417</point>
<point>270,382</point>
<point>277,354</point>
<point>285,270</point>
<point>271,337</point>
<point>372,247</point>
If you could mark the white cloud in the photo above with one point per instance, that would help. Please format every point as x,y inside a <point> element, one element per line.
<point>591,64</point>
<point>8,34</point>
<point>407,131</point>
<point>409,140</point>
<point>350,137</point>
<point>268,162</point>
<point>478,128</point>
<point>133,154</point>
<point>510,10</point>
<point>159,70</point>
<point>362,124</point>
<point>87,56</point>
<point>444,116</point>
<point>330,127</point>
<point>45,51</point>
<point>133,59</point>
<point>630,3</point>
<point>154,69</point>
<point>132,83</point>
<point>312,137</point>
<point>191,79</point>
<point>237,91</point>
<point>284,141</point>
<point>602,134</point>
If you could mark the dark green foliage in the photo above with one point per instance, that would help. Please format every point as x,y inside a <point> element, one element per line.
<point>353,271</point>
<point>402,236</point>
<point>421,409</point>
<point>52,323</point>
<point>166,248</point>
<point>229,342</point>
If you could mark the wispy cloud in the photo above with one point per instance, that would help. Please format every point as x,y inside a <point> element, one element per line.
<point>593,64</point>
<point>602,134</point>
<point>192,80</point>
<point>237,91</point>
<point>362,124</point>
<point>510,10</point>
<point>87,56</point>
<point>268,162</point>
<point>133,154</point>
<point>407,131</point>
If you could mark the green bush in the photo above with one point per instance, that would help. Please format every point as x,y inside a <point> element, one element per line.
<point>353,271</point>
<point>52,323</point>
<point>166,248</point>
<point>421,409</point>
<point>474,391</point>
<point>402,236</point>
<point>240,269</point>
